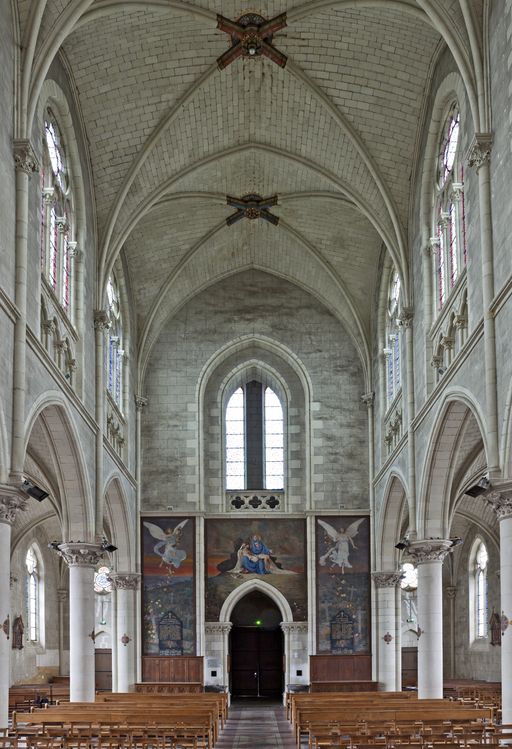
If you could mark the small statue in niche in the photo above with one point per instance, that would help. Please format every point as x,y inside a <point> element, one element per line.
<point>17,633</point>
<point>495,628</point>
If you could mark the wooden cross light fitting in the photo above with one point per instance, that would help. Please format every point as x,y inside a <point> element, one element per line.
<point>251,36</point>
<point>252,207</point>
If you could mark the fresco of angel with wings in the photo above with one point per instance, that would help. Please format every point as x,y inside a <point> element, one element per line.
<point>167,547</point>
<point>338,554</point>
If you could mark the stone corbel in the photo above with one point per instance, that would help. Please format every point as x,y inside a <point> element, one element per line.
<point>479,152</point>
<point>387,579</point>
<point>6,626</point>
<point>101,320</point>
<point>25,159</point>
<point>405,317</point>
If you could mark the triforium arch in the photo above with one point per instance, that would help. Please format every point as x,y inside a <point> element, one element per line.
<point>390,523</point>
<point>457,440</point>
<point>50,427</point>
<point>117,513</point>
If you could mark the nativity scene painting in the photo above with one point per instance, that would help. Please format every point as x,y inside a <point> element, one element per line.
<point>168,586</point>
<point>240,550</point>
<point>343,584</point>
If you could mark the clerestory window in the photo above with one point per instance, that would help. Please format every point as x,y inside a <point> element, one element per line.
<point>254,439</point>
<point>115,348</point>
<point>31,565</point>
<point>449,235</point>
<point>478,564</point>
<point>392,349</point>
<point>57,215</point>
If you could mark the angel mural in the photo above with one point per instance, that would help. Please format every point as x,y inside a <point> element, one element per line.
<point>338,553</point>
<point>167,546</point>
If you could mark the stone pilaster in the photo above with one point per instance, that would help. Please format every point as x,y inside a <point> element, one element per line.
<point>126,585</point>
<point>388,628</point>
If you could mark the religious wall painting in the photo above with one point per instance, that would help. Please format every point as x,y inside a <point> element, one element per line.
<point>267,549</point>
<point>168,586</point>
<point>343,584</point>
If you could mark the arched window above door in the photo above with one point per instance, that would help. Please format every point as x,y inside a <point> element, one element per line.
<point>254,438</point>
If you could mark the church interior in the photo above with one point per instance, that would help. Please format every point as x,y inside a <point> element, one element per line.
<point>255,310</point>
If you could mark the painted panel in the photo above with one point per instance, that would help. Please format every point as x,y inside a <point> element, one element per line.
<point>343,584</point>
<point>269,549</point>
<point>168,586</point>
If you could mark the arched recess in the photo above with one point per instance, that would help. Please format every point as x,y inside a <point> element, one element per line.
<point>248,587</point>
<point>393,512</point>
<point>118,520</point>
<point>257,357</point>
<point>277,597</point>
<point>52,440</point>
<point>458,437</point>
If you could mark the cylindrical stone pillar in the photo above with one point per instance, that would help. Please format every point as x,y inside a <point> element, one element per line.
<point>126,585</point>
<point>502,504</point>
<point>429,556</point>
<point>10,505</point>
<point>82,558</point>
<point>386,583</point>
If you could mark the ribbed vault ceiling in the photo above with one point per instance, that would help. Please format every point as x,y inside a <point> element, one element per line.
<point>334,135</point>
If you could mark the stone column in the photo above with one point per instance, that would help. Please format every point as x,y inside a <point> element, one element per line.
<point>26,164</point>
<point>62,597</point>
<point>405,321</point>
<point>386,584</point>
<point>101,324</point>
<point>124,647</point>
<point>140,404</point>
<point>295,653</point>
<point>429,556</point>
<point>501,501</point>
<point>81,558</point>
<point>10,505</point>
<point>217,653</point>
<point>479,157</point>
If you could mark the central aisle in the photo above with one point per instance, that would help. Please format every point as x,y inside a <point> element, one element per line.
<point>256,725</point>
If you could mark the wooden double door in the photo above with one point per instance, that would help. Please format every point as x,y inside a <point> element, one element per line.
<point>256,662</point>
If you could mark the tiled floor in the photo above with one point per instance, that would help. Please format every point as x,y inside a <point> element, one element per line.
<point>256,725</point>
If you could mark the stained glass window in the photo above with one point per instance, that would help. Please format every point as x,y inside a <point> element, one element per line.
<point>449,219</point>
<point>392,344</point>
<point>115,351</point>
<point>57,214</point>
<point>254,439</point>
<point>32,594</point>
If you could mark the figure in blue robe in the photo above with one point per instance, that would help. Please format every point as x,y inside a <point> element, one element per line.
<point>256,557</point>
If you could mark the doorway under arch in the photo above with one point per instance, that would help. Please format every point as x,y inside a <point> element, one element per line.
<point>256,647</point>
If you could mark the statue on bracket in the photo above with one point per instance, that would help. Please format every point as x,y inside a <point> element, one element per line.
<point>17,633</point>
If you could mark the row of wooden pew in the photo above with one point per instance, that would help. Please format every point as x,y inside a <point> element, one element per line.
<point>386,718</point>
<point>124,721</point>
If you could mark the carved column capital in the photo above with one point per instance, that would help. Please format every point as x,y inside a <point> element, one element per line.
<point>25,159</point>
<point>433,245</point>
<point>368,399</point>
<point>217,628</point>
<point>140,402</point>
<point>125,580</point>
<point>406,317</point>
<point>101,321</point>
<point>80,553</point>
<point>479,152</point>
<point>10,505</point>
<point>387,579</point>
<point>295,628</point>
<point>429,550</point>
<point>501,502</point>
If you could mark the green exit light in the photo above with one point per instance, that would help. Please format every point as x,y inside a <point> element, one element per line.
<point>258,622</point>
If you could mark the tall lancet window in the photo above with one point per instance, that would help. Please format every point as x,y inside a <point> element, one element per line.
<point>32,595</point>
<point>478,609</point>
<point>57,215</point>
<point>254,439</point>
<point>115,350</point>
<point>449,215</point>
<point>392,349</point>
